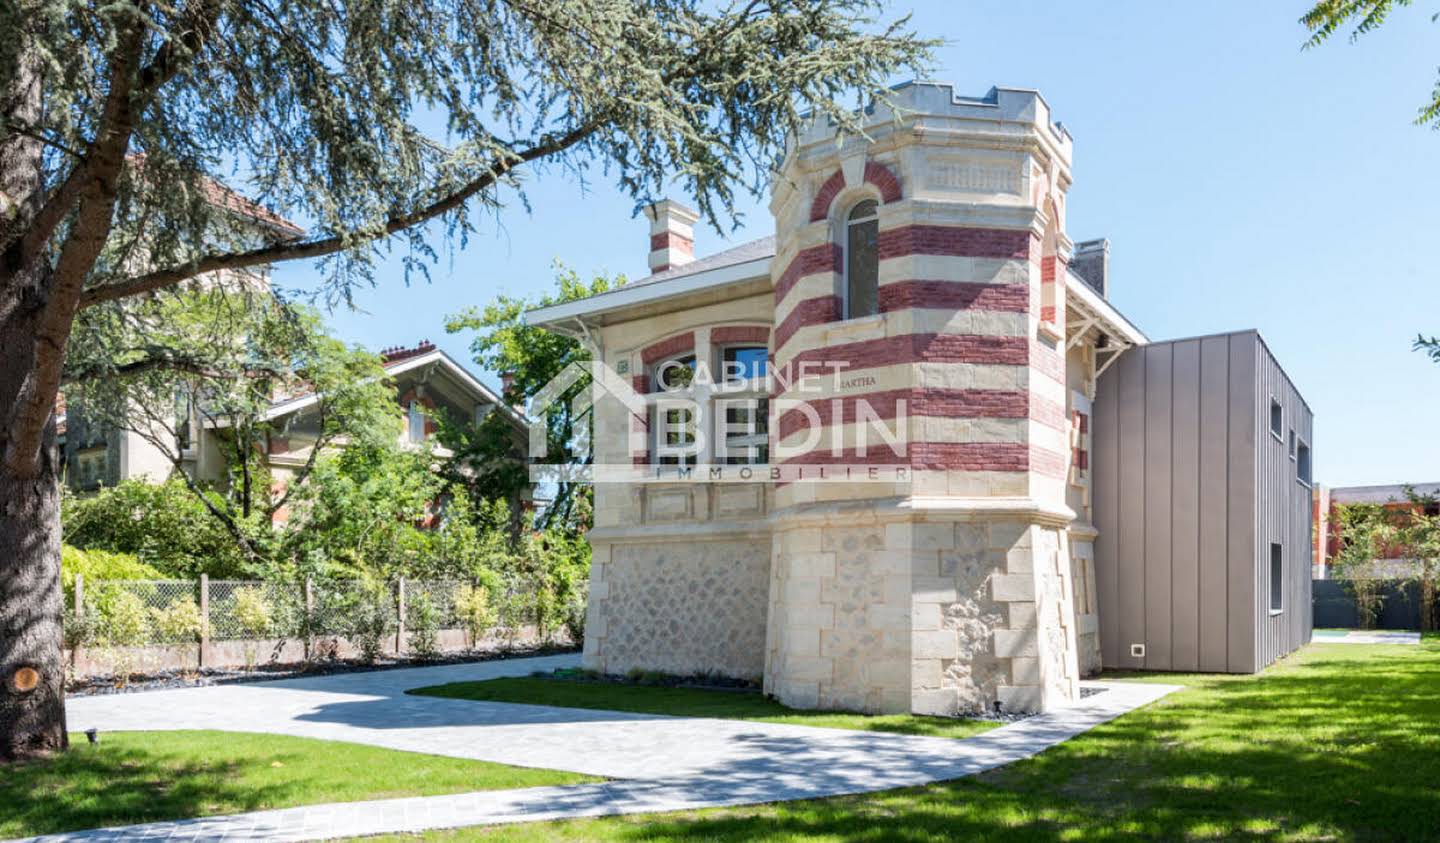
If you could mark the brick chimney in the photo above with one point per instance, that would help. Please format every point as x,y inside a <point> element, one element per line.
<point>672,234</point>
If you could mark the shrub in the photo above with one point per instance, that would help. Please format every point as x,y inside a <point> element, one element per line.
<point>472,606</point>
<point>423,621</point>
<point>372,618</point>
<point>179,621</point>
<point>97,565</point>
<point>252,611</point>
<point>123,620</point>
<point>162,524</point>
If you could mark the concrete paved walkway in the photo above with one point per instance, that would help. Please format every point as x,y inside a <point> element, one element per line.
<point>663,763</point>
<point>1363,636</point>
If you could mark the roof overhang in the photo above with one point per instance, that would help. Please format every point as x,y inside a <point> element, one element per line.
<point>431,358</point>
<point>560,317</point>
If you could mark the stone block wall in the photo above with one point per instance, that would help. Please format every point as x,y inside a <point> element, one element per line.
<point>839,617</point>
<point>992,621</point>
<point>682,607</point>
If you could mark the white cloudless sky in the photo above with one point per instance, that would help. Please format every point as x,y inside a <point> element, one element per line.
<point>1243,183</point>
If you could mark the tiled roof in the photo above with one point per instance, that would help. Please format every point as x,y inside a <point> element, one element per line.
<point>220,195</point>
<point>395,354</point>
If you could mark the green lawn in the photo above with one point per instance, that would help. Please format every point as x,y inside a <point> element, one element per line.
<point>1337,743</point>
<point>695,702</point>
<point>136,777</point>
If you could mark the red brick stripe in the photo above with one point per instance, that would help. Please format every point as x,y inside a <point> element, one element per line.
<point>955,241</point>
<point>963,456</point>
<point>668,347</point>
<point>1048,361</point>
<point>935,403</point>
<point>822,258</point>
<point>880,175</point>
<point>740,333</point>
<point>820,205</point>
<point>954,295</point>
<point>816,311</point>
<point>922,348</point>
<point>945,456</point>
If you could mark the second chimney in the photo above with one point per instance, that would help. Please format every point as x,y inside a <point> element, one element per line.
<point>1091,262</point>
<point>672,234</point>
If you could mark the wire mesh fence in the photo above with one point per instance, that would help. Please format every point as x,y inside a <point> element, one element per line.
<point>134,613</point>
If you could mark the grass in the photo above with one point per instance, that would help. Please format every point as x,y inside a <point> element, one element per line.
<point>695,702</point>
<point>1336,743</point>
<point>137,777</point>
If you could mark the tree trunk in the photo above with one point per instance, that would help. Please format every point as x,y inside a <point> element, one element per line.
<point>32,673</point>
<point>32,676</point>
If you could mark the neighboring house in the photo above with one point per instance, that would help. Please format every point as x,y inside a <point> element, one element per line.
<point>427,382</point>
<point>1392,497</point>
<point>1018,485</point>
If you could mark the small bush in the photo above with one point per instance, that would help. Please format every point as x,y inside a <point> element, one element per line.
<point>124,620</point>
<point>472,606</point>
<point>371,620</point>
<point>423,621</point>
<point>179,621</point>
<point>252,611</point>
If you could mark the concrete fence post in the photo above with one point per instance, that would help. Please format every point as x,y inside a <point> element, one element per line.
<point>309,616</point>
<point>204,657</point>
<point>400,617</point>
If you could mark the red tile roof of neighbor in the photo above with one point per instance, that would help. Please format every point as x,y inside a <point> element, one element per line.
<point>220,195</point>
<point>395,354</point>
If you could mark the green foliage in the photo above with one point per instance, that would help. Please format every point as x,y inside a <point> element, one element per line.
<point>1363,532</point>
<point>1327,17</point>
<point>96,565</point>
<point>372,618</point>
<point>252,611</point>
<point>330,125</point>
<point>422,621</point>
<point>215,361</point>
<point>486,459</point>
<point>124,619</point>
<point>473,608</point>
<point>164,525</point>
<point>177,622</point>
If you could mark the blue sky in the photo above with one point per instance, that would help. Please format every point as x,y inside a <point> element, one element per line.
<point>1242,183</point>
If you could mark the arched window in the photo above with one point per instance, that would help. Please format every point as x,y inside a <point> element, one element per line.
<point>862,261</point>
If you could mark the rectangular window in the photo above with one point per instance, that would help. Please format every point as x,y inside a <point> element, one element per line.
<point>1302,463</point>
<point>1277,578</point>
<point>1277,420</point>
<point>746,438</point>
<point>744,363</point>
<point>415,422</point>
<point>1292,443</point>
<point>677,436</point>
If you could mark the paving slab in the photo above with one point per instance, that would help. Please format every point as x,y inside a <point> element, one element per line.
<point>658,763</point>
<point>1364,636</point>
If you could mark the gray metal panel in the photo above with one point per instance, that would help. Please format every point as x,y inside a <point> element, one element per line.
<point>1131,507</point>
<point>1159,470</point>
<point>1185,508</point>
<point>1284,515</point>
<point>1190,489</point>
<point>1105,439</point>
<point>1241,553</point>
<point>1214,598</point>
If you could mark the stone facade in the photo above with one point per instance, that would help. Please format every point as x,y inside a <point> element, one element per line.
<point>962,579</point>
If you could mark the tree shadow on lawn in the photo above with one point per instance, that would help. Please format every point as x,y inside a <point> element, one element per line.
<point>1324,746</point>
<point>122,784</point>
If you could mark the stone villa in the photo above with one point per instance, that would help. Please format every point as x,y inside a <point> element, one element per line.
<point>906,455</point>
